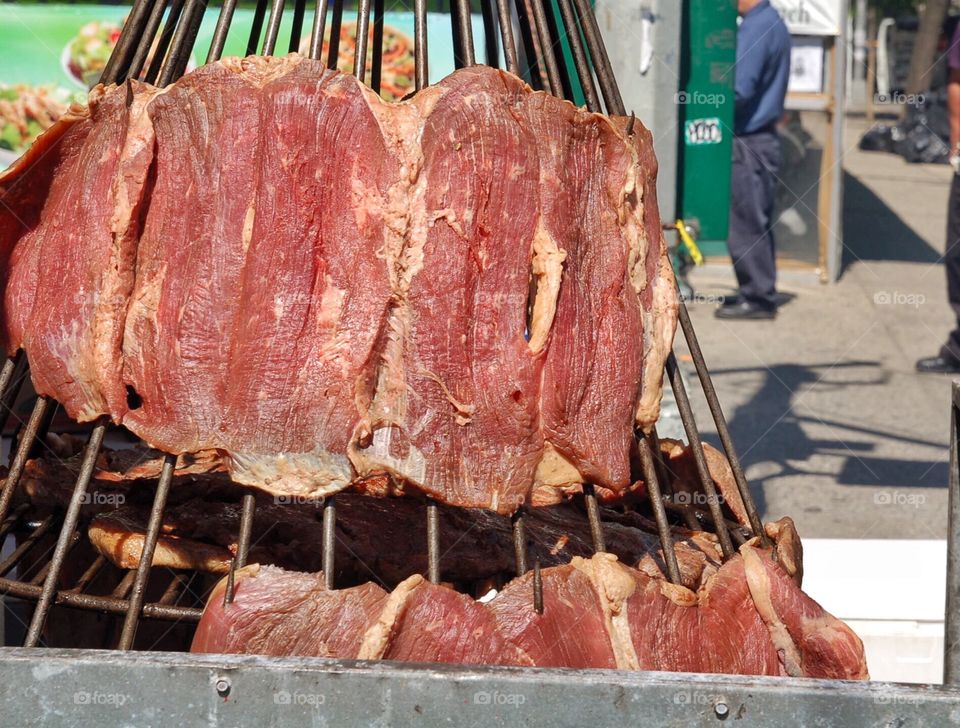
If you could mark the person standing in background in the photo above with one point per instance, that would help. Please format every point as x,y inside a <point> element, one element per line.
<point>948,360</point>
<point>762,72</point>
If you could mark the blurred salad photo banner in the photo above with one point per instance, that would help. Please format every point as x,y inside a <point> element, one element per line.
<point>51,54</point>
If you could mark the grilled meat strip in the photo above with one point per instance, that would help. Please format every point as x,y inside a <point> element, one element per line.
<point>749,617</point>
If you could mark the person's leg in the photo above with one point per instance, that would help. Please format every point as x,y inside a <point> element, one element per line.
<point>750,242</point>
<point>951,263</point>
<point>947,360</point>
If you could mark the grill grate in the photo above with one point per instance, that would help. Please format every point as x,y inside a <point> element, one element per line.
<point>530,34</point>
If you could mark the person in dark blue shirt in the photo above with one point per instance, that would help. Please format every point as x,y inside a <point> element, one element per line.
<point>761,74</point>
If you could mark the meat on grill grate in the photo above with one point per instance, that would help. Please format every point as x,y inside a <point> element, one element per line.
<point>345,288</point>
<point>749,617</point>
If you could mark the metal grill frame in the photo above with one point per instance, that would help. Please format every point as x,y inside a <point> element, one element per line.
<point>529,32</point>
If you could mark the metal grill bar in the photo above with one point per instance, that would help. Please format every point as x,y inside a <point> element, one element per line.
<point>27,438</point>
<point>319,27</point>
<point>65,540</point>
<point>505,20</point>
<point>601,61</point>
<point>149,32</point>
<point>163,44</point>
<point>296,30</point>
<point>713,402</point>
<point>593,516</point>
<point>220,32</point>
<point>696,446</point>
<point>329,541</point>
<point>433,542</point>
<point>12,376</point>
<point>537,588</point>
<point>519,543</point>
<point>376,69</point>
<point>360,52</point>
<point>129,35</point>
<point>584,74</point>
<point>273,27</point>
<point>659,513</point>
<point>335,23</point>
<point>24,547</point>
<point>257,27</point>
<point>146,555</point>
<point>464,32</point>
<point>547,56</point>
<point>183,41</point>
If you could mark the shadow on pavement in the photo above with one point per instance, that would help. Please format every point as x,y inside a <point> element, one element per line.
<point>768,430</point>
<point>872,231</point>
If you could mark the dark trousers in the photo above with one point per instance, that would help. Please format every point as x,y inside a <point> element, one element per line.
<point>951,261</point>
<point>756,162</point>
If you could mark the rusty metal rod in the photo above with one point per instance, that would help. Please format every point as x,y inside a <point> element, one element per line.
<point>537,587</point>
<point>519,543</point>
<point>27,438</point>
<point>580,62</point>
<point>601,61</point>
<point>183,40</point>
<point>129,630</point>
<point>296,29</point>
<point>247,511</point>
<point>723,430</point>
<point>433,542</point>
<point>360,49</point>
<point>163,43</point>
<point>665,480</point>
<point>335,23</point>
<point>659,512</point>
<point>146,41</point>
<point>221,30</point>
<point>530,44</point>
<point>28,543</point>
<point>491,49</point>
<point>67,533</point>
<point>505,21</point>
<point>273,27</point>
<point>116,65</point>
<point>319,28</point>
<point>376,68</point>
<point>89,575</point>
<point>11,520</point>
<point>172,592</point>
<point>547,56</point>
<point>329,540</point>
<point>465,32</point>
<point>257,27</point>
<point>593,516</point>
<point>696,446</point>
<point>111,604</point>
<point>123,588</point>
<point>11,380</point>
<point>421,66</point>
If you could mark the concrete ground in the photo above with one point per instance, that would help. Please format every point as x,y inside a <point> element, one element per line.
<point>832,423</point>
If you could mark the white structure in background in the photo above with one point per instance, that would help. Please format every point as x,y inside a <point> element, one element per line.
<point>891,593</point>
<point>643,40</point>
<point>812,17</point>
<point>884,34</point>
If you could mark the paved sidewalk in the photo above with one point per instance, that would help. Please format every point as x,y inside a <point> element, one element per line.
<point>834,426</point>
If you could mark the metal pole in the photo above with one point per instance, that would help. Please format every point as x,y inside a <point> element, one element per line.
<point>951,625</point>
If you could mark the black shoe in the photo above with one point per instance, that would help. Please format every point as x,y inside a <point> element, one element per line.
<point>938,365</point>
<point>729,301</point>
<point>746,311</point>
